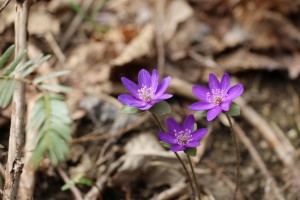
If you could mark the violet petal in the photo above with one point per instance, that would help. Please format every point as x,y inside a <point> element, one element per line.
<point>200,92</point>
<point>144,78</point>
<point>189,123</point>
<point>225,82</point>
<point>161,98</point>
<point>173,126</point>
<point>226,105</point>
<point>198,134</point>
<point>176,148</point>
<point>154,79</point>
<point>130,86</point>
<point>130,100</point>
<point>193,144</point>
<point>201,106</point>
<point>211,114</point>
<point>162,87</point>
<point>213,82</point>
<point>166,137</point>
<point>146,106</point>
<point>235,92</point>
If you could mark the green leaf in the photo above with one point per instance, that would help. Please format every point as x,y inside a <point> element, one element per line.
<point>50,76</point>
<point>200,114</point>
<point>1,146</point>
<point>234,110</point>
<point>195,127</point>
<point>85,181</point>
<point>167,145</point>
<point>191,151</point>
<point>9,92</point>
<point>26,64</point>
<point>128,109</point>
<point>68,185</point>
<point>4,58</point>
<point>161,108</point>
<point>53,132</point>
<point>14,64</point>
<point>7,87</point>
<point>55,88</point>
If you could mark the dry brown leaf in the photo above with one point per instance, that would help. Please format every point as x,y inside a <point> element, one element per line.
<point>139,47</point>
<point>293,65</point>
<point>244,60</point>
<point>40,23</point>
<point>7,16</point>
<point>140,150</point>
<point>177,11</point>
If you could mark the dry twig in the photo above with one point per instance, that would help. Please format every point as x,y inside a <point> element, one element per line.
<point>16,138</point>
<point>74,24</point>
<point>3,6</point>
<point>74,189</point>
<point>172,193</point>
<point>159,40</point>
<point>257,158</point>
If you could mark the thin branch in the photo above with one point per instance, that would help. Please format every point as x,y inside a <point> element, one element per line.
<point>4,5</point>
<point>74,189</point>
<point>16,138</point>
<point>159,38</point>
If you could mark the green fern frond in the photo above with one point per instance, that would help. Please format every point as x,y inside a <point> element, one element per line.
<point>50,119</point>
<point>15,63</point>
<point>4,58</point>
<point>30,68</point>
<point>7,87</point>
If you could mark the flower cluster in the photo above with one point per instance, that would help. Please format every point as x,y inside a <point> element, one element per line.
<point>216,98</point>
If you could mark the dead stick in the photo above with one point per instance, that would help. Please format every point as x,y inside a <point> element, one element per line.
<point>4,5</point>
<point>16,138</point>
<point>74,24</point>
<point>159,40</point>
<point>74,189</point>
<point>257,158</point>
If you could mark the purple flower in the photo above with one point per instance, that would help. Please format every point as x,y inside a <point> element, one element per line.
<point>147,93</point>
<point>217,97</point>
<point>182,137</point>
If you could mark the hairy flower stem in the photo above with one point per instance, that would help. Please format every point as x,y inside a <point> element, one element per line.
<point>195,179</point>
<point>237,152</point>
<point>177,156</point>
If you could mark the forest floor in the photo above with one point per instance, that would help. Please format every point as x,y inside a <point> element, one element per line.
<point>256,42</point>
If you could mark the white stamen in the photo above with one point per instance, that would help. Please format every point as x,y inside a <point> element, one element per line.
<point>146,93</point>
<point>183,137</point>
<point>217,96</point>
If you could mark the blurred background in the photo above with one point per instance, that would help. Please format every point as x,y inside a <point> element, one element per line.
<point>256,41</point>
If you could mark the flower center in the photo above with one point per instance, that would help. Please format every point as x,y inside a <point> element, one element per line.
<point>146,93</point>
<point>183,137</point>
<point>216,96</point>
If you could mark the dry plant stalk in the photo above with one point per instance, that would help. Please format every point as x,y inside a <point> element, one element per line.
<point>16,138</point>
<point>27,179</point>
